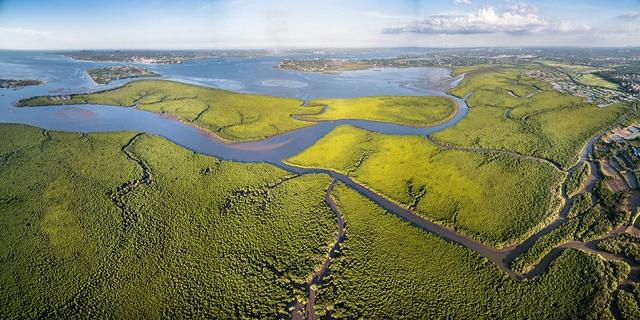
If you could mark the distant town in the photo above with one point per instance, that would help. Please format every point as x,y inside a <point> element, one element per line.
<point>562,82</point>
<point>601,76</point>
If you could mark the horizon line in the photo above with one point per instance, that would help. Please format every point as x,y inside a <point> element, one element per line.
<point>323,48</point>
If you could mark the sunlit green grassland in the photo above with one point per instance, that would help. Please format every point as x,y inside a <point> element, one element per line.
<point>388,269</point>
<point>494,198</point>
<point>240,117</point>
<point>407,110</point>
<point>582,74</point>
<point>594,80</point>
<point>205,238</point>
<point>229,115</point>
<point>533,119</point>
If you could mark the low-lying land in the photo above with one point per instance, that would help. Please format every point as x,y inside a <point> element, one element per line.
<point>585,222</point>
<point>340,65</point>
<point>15,84</point>
<point>510,110</point>
<point>231,116</point>
<point>578,178</point>
<point>159,56</point>
<point>142,57</point>
<point>496,199</point>
<point>237,117</point>
<point>388,269</point>
<point>132,226</point>
<point>124,225</point>
<point>108,74</point>
<point>407,110</point>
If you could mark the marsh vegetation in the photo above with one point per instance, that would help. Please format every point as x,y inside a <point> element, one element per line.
<point>495,198</point>
<point>510,110</point>
<point>390,269</point>
<point>231,116</point>
<point>199,237</point>
<point>129,225</point>
<point>406,110</point>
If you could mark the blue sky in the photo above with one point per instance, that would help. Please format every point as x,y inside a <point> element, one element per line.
<point>184,24</point>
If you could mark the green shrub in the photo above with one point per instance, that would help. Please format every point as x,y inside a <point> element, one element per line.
<point>627,305</point>
<point>581,203</point>
<point>524,262</point>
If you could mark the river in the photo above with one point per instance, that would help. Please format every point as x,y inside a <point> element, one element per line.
<point>252,75</point>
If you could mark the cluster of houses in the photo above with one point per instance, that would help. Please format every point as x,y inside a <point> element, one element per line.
<point>563,83</point>
<point>60,98</point>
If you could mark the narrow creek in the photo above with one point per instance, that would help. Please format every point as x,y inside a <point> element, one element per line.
<point>273,150</point>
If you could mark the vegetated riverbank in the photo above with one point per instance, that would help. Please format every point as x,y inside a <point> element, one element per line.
<point>448,186</point>
<point>389,269</point>
<point>211,170</point>
<point>545,124</point>
<point>258,227</point>
<point>372,194</point>
<point>233,117</point>
<point>407,210</point>
<point>239,117</point>
<point>316,278</point>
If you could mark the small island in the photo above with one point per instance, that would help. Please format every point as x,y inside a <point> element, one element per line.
<point>159,57</point>
<point>16,84</point>
<point>340,65</point>
<point>106,75</point>
<point>139,57</point>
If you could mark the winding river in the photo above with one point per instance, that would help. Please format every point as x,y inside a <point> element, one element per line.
<point>257,76</point>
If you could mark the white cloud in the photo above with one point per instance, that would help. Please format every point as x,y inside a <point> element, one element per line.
<point>462,2</point>
<point>521,8</point>
<point>517,19</point>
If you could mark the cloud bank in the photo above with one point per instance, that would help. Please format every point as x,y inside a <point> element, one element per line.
<point>517,19</point>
